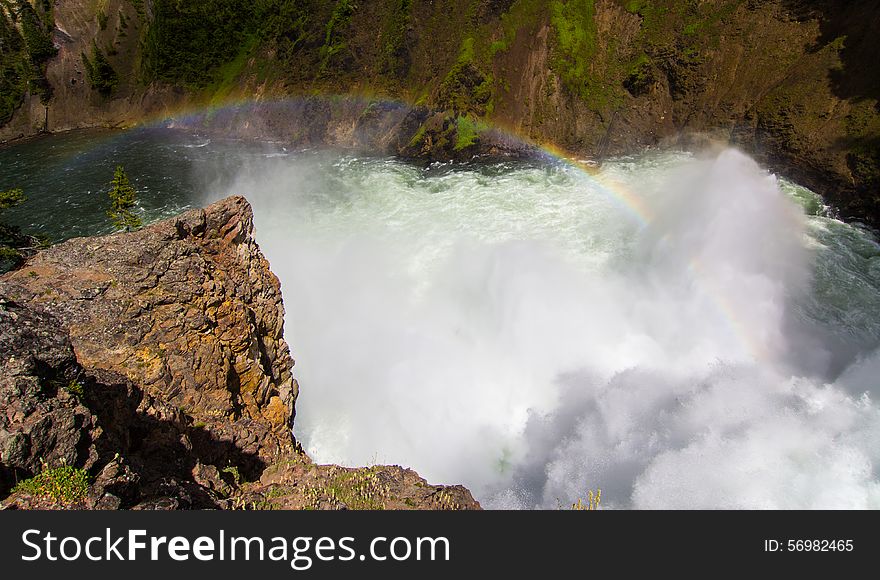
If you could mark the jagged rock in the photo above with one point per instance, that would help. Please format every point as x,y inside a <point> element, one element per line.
<point>208,476</point>
<point>188,310</point>
<point>40,421</point>
<point>53,412</point>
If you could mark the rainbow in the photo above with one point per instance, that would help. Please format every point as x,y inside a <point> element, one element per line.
<point>635,206</point>
<point>623,197</point>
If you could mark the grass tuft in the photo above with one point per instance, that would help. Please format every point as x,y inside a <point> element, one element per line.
<point>65,485</point>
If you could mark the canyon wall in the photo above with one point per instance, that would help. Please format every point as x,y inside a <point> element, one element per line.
<point>791,81</point>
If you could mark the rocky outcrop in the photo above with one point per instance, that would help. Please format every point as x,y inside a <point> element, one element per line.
<point>187,309</point>
<point>141,451</point>
<point>357,124</point>
<point>155,361</point>
<point>300,484</point>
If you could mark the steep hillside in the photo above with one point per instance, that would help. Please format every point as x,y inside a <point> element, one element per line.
<point>791,81</point>
<point>25,47</point>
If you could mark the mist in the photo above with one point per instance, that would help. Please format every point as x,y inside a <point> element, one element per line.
<point>529,332</point>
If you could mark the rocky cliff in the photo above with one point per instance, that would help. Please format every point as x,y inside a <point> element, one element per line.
<point>187,309</point>
<point>792,81</point>
<point>155,362</point>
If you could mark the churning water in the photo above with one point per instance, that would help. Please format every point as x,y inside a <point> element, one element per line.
<point>680,331</point>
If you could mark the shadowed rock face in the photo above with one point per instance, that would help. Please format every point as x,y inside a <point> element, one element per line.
<point>141,451</point>
<point>155,360</point>
<point>41,421</point>
<point>187,309</point>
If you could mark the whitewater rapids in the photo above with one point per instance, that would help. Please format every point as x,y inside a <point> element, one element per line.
<point>680,331</point>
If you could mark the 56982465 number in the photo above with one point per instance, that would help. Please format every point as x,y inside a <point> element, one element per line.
<point>819,546</point>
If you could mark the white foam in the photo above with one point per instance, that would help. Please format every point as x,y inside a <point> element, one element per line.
<point>516,332</point>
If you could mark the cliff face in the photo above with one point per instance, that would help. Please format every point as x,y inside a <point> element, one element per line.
<point>792,81</point>
<point>188,309</point>
<point>156,361</point>
<point>80,29</point>
<point>139,450</point>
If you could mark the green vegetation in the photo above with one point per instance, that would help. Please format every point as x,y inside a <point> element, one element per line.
<point>65,485</point>
<point>358,489</point>
<point>227,74</point>
<point>122,201</point>
<point>75,388</point>
<point>575,26</point>
<point>467,132</point>
<point>10,258</point>
<point>395,54</point>
<point>683,25</point>
<point>36,33</point>
<point>25,46</point>
<point>234,472</point>
<point>15,67</point>
<point>102,77</point>
<point>590,71</point>
<point>207,44</point>
<point>418,137</point>
<point>11,198</point>
<point>187,41</point>
<point>639,75</point>
<point>466,88</point>
<point>12,241</point>
<point>199,45</point>
<point>334,38</point>
<point>287,26</point>
<point>139,7</point>
<point>636,6</point>
<point>470,87</point>
<point>862,127</point>
<point>521,14</point>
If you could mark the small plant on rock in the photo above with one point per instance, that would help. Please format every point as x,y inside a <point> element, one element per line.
<point>75,388</point>
<point>65,485</point>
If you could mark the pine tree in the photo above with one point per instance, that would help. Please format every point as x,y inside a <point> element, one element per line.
<point>11,238</point>
<point>99,71</point>
<point>122,200</point>
<point>11,198</point>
